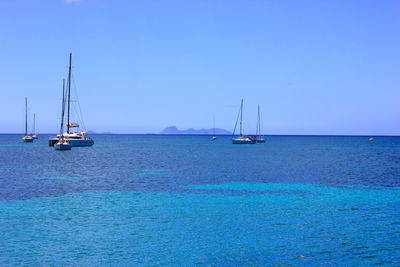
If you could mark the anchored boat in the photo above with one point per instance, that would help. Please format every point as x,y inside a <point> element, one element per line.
<point>34,135</point>
<point>74,137</point>
<point>214,137</point>
<point>62,144</point>
<point>241,139</point>
<point>27,138</point>
<point>259,138</point>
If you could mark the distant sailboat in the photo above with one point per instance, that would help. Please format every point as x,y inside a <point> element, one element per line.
<point>76,139</point>
<point>241,139</point>
<point>34,135</point>
<point>214,137</point>
<point>259,138</point>
<point>27,138</point>
<point>62,144</point>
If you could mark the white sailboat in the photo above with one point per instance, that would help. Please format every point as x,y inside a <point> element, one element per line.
<point>27,138</point>
<point>34,135</point>
<point>76,138</point>
<point>214,137</point>
<point>259,138</point>
<point>62,144</point>
<point>241,139</point>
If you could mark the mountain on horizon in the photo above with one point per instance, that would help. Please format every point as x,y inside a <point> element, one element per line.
<point>93,132</point>
<point>174,130</point>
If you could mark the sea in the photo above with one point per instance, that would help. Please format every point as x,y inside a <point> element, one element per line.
<point>153,200</point>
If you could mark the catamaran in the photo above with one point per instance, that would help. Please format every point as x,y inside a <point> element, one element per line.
<point>62,144</point>
<point>241,139</point>
<point>34,135</point>
<point>259,138</point>
<point>75,138</point>
<point>27,138</point>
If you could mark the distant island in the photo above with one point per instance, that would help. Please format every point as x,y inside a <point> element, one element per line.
<point>174,130</point>
<point>93,132</point>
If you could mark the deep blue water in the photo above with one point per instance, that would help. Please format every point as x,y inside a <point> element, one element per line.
<point>187,200</point>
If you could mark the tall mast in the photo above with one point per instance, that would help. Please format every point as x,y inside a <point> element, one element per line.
<point>33,128</point>
<point>26,116</point>
<point>258,121</point>
<point>62,111</point>
<point>69,88</point>
<point>259,127</point>
<point>241,112</point>
<point>214,125</point>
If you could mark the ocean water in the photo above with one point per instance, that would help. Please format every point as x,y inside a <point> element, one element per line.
<point>186,200</point>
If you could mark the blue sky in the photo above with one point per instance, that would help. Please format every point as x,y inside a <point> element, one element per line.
<point>315,67</point>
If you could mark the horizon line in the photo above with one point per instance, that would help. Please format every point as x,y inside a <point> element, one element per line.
<point>321,135</point>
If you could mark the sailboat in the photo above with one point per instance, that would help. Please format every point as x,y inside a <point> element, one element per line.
<point>214,137</point>
<point>27,138</point>
<point>241,139</point>
<point>259,138</point>
<point>76,138</point>
<point>34,135</point>
<point>62,144</point>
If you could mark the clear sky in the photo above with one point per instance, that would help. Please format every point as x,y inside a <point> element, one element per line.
<point>315,67</point>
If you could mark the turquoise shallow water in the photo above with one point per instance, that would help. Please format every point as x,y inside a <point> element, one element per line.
<point>166,200</point>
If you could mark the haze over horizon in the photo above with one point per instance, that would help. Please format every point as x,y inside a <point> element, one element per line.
<point>315,67</point>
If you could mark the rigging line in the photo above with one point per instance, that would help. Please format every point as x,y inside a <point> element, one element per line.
<point>33,124</point>
<point>258,132</point>
<point>77,98</point>
<point>241,116</point>
<point>79,105</point>
<point>257,124</point>
<point>74,109</point>
<point>236,123</point>
<point>79,119</point>
<point>62,111</point>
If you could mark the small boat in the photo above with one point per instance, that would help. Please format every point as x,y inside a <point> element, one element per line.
<point>244,140</point>
<point>34,135</point>
<point>62,143</point>
<point>259,138</point>
<point>27,138</point>
<point>241,139</point>
<point>74,137</point>
<point>214,137</point>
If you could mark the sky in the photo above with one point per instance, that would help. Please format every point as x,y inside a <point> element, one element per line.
<point>314,67</point>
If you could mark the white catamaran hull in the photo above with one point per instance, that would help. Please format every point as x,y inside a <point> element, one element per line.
<point>83,142</point>
<point>243,141</point>
<point>74,142</point>
<point>27,139</point>
<point>62,146</point>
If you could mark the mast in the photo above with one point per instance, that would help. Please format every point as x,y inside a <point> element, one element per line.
<point>213,125</point>
<point>69,88</point>
<point>241,112</point>
<point>237,119</point>
<point>258,121</point>
<point>33,128</point>
<point>62,111</point>
<point>26,116</point>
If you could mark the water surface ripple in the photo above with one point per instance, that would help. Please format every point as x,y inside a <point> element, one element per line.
<point>186,200</point>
